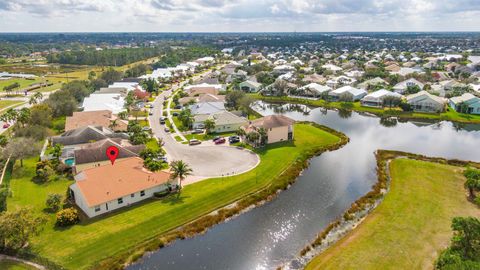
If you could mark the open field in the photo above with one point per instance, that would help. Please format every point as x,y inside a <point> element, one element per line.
<point>6,103</point>
<point>84,245</point>
<point>449,115</point>
<point>410,227</point>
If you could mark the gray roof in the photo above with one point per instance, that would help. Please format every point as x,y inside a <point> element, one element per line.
<point>207,107</point>
<point>95,152</point>
<point>85,135</point>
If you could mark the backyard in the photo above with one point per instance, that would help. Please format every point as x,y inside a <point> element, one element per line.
<point>6,264</point>
<point>84,245</point>
<point>410,227</point>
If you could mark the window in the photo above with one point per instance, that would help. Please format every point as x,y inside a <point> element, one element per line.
<point>97,208</point>
<point>142,193</point>
<point>120,200</point>
<point>132,195</point>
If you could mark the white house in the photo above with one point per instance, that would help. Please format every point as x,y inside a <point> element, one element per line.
<point>130,86</point>
<point>250,86</point>
<point>314,90</point>
<point>102,189</point>
<point>226,121</point>
<point>332,68</point>
<point>375,99</point>
<point>97,102</point>
<point>282,69</point>
<point>426,102</point>
<point>340,81</point>
<point>355,93</point>
<point>472,103</point>
<point>401,87</point>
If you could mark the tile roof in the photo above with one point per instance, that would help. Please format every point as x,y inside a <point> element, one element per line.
<point>95,152</point>
<point>93,118</point>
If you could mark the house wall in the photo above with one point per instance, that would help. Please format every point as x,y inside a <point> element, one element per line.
<point>426,105</point>
<point>278,134</point>
<point>112,205</point>
<point>228,128</point>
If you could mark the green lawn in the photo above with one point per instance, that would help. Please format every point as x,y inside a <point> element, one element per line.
<point>5,103</point>
<point>410,227</point>
<point>450,114</point>
<point>23,83</point>
<point>83,245</point>
<point>206,137</point>
<point>14,265</point>
<point>152,144</point>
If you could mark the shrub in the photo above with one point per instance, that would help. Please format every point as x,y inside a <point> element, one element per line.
<point>477,200</point>
<point>67,217</point>
<point>53,201</point>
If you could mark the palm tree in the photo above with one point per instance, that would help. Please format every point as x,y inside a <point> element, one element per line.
<point>241,132</point>
<point>263,135</point>
<point>253,137</point>
<point>180,170</point>
<point>35,99</point>
<point>209,125</point>
<point>473,181</point>
<point>23,116</point>
<point>113,124</point>
<point>12,114</point>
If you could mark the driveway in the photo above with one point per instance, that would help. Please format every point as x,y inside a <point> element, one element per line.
<point>206,160</point>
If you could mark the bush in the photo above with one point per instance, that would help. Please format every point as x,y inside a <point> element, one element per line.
<point>405,107</point>
<point>67,217</point>
<point>477,200</point>
<point>53,201</point>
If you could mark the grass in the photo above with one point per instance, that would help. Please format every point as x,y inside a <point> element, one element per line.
<point>410,227</point>
<point>84,245</point>
<point>6,264</point>
<point>450,114</point>
<point>207,137</point>
<point>23,83</point>
<point>152,144</point>
<point>6,103</point>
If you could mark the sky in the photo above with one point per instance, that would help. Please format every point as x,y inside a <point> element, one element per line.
<point>238,15</point>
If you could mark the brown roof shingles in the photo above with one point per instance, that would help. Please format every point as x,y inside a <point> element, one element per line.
<point>93,118</point>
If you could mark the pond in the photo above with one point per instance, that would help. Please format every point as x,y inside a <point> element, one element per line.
<point>273,234</point>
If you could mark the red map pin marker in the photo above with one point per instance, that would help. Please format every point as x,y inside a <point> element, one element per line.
<point>112,153</point>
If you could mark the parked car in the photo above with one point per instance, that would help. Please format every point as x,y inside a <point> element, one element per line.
<point>216,138</point>
<point>6,125</point>
<point>146,128</point>
<point>197,131</point>
<point>175,113</point>
<point>234,139</point>
<point>220,141</point>
<point>162,120</point>
<point>194,142</point>
<point>178,107</point>
<point>150,112</point>
<point>167,129</point>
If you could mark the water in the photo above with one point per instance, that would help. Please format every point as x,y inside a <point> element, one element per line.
<point>274,234</point>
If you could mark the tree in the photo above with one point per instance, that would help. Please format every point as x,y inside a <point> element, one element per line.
<point>67,217</point>
<point>253,137</point>
<point>262,134</point>
<point>113,124</point>
<point>150,85</point>
<point>41,115</point>
<point>20,148</point>
<point>3,140</point>
<point>241,132</point>
<point>473,181</point>
<point>209,125</point>
<point>244,104</point>
<point>62,103</point>
<point>111,75</point>
<point>23,116</point>
<point>11,114</point>
<point>391,101</point>
<point>11,87</point>
<point>35,98</point>
<point>185,116</point>
<point>91,75</point>
<point>233,98</point>
<point>280,88</point>
<point>180,170</point>
<point>152,164</point>
<point>16,228</point>
<point>57,152</point>
<point>54,201</point>
<point>464,250</point>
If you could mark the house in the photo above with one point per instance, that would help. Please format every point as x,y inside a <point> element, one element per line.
<point>340,81</point>
<point>103,118</point>
<point>313,90</point>
<point>93,154</point>
<point>207,107</point>
<point>85,135</point>
<point>355,93</point>
<point>375,99</point>
<point>332,68</point>
<point>402,87</point>
<point>404,71</point>
<point>105,188</point>
<point>426,102</point>
<point>98,102</point>
<point>202,98</point>
<point>372,82</point>
<point>278,127</point>
<point>466,103</point>
<point>225,121</point>
<point>393,68</point>
<point>130,86</point>
<point>250,86</point>
<point>203,88</point>
<point>282,69</point>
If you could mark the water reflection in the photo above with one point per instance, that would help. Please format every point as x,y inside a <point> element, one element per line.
<point>275,233</point>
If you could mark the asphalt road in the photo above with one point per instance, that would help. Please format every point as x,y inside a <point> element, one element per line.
<point>206,159</point>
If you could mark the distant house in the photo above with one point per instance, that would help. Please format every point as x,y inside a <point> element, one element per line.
<point>402,87</point>
<point>426,102</point>
<point>225,121</point>
<point>340,81</point>
<point>332,68</point>
<point>282,69</point>
<point>93,154</point>
<point>392,68</point>
<point>103,118</point>
<point>313,90</point>
<point>375,99</point>
<point>278,127</point>
<point>202,98</point>
<point>85,135</point>
<point>466,103</point>
<point>355,93</point>
<point>203,88</point>
<point>250,86</point>
<point>207,108</point>
<point>372,82</point>
<point>98,102</point>
<point>102,189</point>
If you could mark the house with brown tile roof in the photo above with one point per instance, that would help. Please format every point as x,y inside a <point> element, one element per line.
<point>278,127</point>
<point>93,154</point>
<point>103,118</point>
<point>102,189</point>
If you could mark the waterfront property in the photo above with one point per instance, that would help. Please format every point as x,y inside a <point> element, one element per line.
<point>376,99</point>
<point>354,93</point>
<point>414,220</point>
<point>278,127</point>
<point>426,102</point>
<point>102,189</point>
<point>402,87</point>
<point>250,86</point>
<point>466,103</point>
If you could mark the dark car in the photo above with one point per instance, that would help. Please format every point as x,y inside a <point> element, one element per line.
<point>220,141</point>
<point>234,139</point>
<point>178,107</point>
<point>6,125</point>
<point>175,113</point>
<point>216,138</point>
<point>162,120</point>
<point>167,129</point>
<point>194,142</point>
<point>197,131</point>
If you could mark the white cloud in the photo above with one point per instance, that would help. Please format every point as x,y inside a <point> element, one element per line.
<point>239,15</point>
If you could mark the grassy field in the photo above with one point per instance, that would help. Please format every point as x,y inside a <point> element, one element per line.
<point>23,83</point>
<point>14,265</point>
<point>5,103</point>
<point>83,245</point>
<point>410,227</point>
<point>450,114</point>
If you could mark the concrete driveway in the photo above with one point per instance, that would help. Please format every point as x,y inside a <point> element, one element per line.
<point>206,160</point>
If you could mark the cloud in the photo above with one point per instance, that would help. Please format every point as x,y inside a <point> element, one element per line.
<point>240,15</point>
